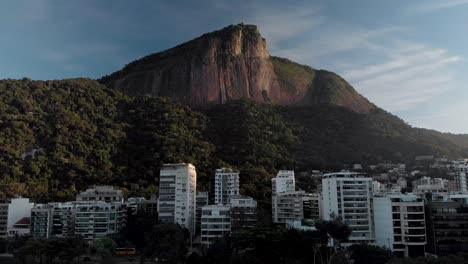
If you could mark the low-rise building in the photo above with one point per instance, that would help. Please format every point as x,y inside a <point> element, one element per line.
<point>430,185</point>
<point>215,223</point>
<point>400,224</point>
<point>13,210</point>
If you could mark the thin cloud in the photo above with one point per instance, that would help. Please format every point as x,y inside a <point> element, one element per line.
<point>434,6</point>
<point>393,73</point>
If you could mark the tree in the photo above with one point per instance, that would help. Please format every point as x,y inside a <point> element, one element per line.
<point>167,243</point>
<point>368,254</point>
<point>105,246</point>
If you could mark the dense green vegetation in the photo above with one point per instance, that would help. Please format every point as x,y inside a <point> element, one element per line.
<point>85,134</point>
<point>289,73</point>
<point>59,137</point>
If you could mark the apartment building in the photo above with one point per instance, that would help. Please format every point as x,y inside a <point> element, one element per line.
<point>202,200</point>
<point>347,196</point>
<point>312,206</point>
<point>215,223</point>
<point>226,185</point>
<point>283,182</point>
<point>430,185</point>
<point>98,219</point>
<point>286,202</point>
<point>448,223</point>
<point>243,212</point>
<point>101,193</point>
<point>400,224</point>
<point>41,220</point>
<point>287,206</point>
<point>177,195</point>
<point>461,178</point>
<point>13,210</point>
<point>53,220</point>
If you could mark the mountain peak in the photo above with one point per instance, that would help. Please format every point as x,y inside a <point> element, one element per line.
<point>229,64</point>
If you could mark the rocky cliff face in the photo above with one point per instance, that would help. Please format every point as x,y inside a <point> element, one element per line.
<point>229,64</point>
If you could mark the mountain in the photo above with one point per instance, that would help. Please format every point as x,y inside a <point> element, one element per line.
<point>230,64</point>
<point>230,104</point>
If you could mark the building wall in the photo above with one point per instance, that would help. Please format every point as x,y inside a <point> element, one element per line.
<point>348,196</point>
<point>450,225</point>
<point>400,224</point>
<point>177,192</point>
<point>287,206</point>
<point>226,185</point>
<point>384,235</point>
<point>243,212</point>
<point>215,223</point>
<point>41,221</point>
<point>96,220</point>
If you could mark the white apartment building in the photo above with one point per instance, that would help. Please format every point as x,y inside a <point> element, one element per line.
<point>287,204</point>
<point>432,185</point>
<point>12,210</point>
<point>101,193</point>
<point>400,224</point>
<point>97,219</point>
<point>461,178</point>
<point>177,195</point>
<point>348,197</point>
<point>283,182</point>
<point>215,223</point>
<point>226,185</point>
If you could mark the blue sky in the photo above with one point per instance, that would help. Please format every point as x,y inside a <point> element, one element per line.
<point>408,57</point>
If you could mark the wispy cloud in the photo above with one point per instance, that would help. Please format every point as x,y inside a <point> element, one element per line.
<point>394,73</point>
<point>436,5</point>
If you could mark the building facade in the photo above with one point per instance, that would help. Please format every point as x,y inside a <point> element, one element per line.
<point>287,206</point>
<point>461,178</point>
<point>94,220</point>
<point>202,200</point>
<point>400,224</point>
<point>347,196</point>
<point>226,185</point>
<point>430,185</point>
<point>312,206</point>
<point>283,182</point>
<point>449,223</point>
<point>215,223</point>
<point>243,212</point>
<point>177,195</point>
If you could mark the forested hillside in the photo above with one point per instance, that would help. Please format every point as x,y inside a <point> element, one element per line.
<point>59,137</point>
